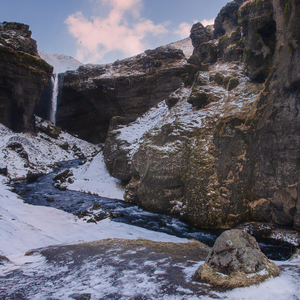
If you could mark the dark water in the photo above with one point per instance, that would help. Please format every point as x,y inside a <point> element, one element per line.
<point>39,192</point>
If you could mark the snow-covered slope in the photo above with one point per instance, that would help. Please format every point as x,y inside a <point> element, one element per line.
<point>60,62</point>
<point>24,152</point>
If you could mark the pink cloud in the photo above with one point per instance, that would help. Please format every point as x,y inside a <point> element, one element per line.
<point>97,36</point>
<point>183,30</point>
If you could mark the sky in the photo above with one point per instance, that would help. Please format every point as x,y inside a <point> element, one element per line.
<point>102,31</point>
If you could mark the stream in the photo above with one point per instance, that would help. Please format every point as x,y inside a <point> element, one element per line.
<point>42,192</point>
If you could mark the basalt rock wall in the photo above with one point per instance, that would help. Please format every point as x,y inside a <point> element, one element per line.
<point>23,76</point>
<point>92,95</point>
<point>227,148</point>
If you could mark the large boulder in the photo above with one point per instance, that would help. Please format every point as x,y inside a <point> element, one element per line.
<point>236,261</point>
<point>23,77</point>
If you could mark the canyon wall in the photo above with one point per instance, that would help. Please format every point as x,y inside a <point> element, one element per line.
<point>227,147</point>
<point>23,76</point>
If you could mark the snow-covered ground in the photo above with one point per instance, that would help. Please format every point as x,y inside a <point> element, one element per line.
<point>24,227</point>
<point>93,177</point>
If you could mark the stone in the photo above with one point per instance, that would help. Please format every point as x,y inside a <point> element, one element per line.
<point>236,261</point>
<point>33,175</point>
<point>63,175</point>
<point>199,35</point>
<point>18,37</point>
<point>49,128</point>
<point>3,171</point>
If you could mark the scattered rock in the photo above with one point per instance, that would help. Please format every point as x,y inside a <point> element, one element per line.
<point>18,148</point>
<point>236,261</point>
<point>49,128</point>
<point>63,175</point>
<point>3,259</point>
<point>3,171</point>
<point>34,175</point>
<point>49,199</point>
<point>94,213</point>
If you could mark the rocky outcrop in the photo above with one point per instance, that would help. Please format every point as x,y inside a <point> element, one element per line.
<point>236,261</point>
<point>225,149</point>
<point>276,176</point>
<point>205,50</point>
<point>94,94</point>
<point>23,76</point>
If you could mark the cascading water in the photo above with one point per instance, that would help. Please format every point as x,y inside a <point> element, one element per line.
<point>54,83</point>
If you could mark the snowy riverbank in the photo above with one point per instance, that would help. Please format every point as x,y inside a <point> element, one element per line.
<point>125,269</point>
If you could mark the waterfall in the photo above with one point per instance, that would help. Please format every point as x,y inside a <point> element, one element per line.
<point>54,83</point>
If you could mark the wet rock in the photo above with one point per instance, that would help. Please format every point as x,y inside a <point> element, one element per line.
<point>63,175</point>
<point>85,296</point>
<point>49,199</point>
<point>33,175</point>
<point>273,232</point>
<point>94,213</point>
<point>236,261</point>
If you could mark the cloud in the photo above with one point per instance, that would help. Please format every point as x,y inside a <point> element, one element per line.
<point>208,22</point>
<point>183,30</point>
<point>122,30</point>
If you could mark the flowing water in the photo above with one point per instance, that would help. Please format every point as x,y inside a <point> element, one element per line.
<point>43,192</point>
<point>54,83</point>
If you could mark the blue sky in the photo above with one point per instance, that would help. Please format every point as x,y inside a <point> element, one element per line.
<point>101,31</point>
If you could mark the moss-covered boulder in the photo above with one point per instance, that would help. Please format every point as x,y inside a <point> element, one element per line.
<point>236,261</point>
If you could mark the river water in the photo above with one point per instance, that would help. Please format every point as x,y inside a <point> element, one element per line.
<point>43,192</point>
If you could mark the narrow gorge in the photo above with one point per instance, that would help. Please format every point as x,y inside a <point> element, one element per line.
<point>116,179</point>
<point>201,135</point>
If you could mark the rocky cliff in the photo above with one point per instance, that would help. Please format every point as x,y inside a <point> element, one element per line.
<point>223,148</point>
<point>23,76</point>
<point>93,95</point>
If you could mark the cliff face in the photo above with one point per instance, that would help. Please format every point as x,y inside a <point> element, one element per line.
<point>23,76</point>
<point>92,95</point>
<point>276,176</point>
<point>225,149</point>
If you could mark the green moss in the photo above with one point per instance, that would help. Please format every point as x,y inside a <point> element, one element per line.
<point>287,7</point>
<point>290,46</point>
<point>223,39</point>
<point>245,54</point>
